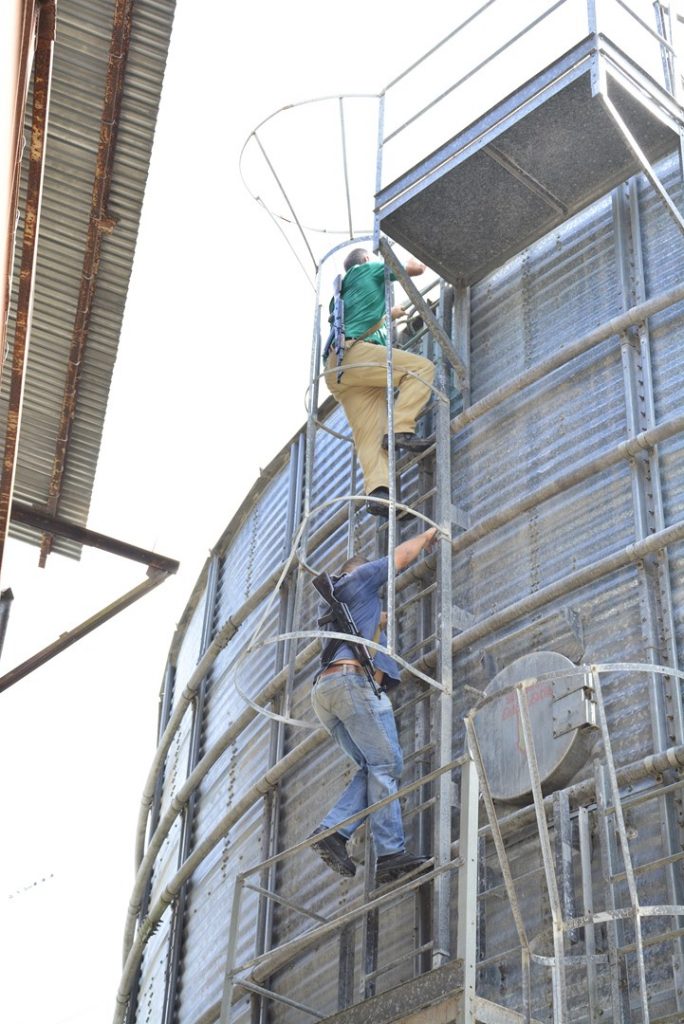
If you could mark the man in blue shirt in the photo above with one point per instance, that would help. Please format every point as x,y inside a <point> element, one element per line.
<point>362,725</point>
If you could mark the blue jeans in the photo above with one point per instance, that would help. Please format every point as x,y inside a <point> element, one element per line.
<point>364,728</point>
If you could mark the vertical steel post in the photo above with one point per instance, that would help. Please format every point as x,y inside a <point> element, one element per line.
<point>624,847</point>
<point>284,655</point>
<point>166,706</point>
<point>614,928</point>
<point>391,467</point>
<point>313,400</point>
<point>558,969</point>
<point>563,853</point>
<point>655,592</point>
<point>461,337</point>
<point>233,935</point>
<point>466,942</point>
<point>444,701</point>
<point>676,41</point>
<point>587,912</point>
<point>378,168</point>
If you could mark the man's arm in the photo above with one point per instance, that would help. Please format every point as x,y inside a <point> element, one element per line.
<point>409,550</point>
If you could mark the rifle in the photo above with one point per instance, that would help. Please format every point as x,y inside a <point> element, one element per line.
<point>340,616</point>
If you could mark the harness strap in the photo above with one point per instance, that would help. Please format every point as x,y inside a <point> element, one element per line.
<point>336,339</point>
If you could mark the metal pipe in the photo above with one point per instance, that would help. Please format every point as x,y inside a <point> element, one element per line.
<point>28,516</point>
<point>436,329</point>
<point>156,577</point>
<point>644,24</point>
<point>42,80</point>
<point>603,567</point>
<point>171,890</point>
<point>647,168</point>
<point>624,450</point>
<point>564,355</point>
<point>391,451</point>
<point>6,598</point>
<point>441,43</point>
<point>583,792</point>
<point>345,166</point>
<point>100,223</point>
<point>474,71</point>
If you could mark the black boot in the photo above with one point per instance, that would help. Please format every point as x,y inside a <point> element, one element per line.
<point>333,851</point>
<point>373,507</point>
<point>394,865</point>
<point>408,442</point>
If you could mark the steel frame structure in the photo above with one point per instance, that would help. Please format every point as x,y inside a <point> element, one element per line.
<point>643,441</point>
<point>605,804</point>
<point>596,803</point>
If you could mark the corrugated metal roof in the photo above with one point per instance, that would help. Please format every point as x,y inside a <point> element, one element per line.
<point>83,39</point>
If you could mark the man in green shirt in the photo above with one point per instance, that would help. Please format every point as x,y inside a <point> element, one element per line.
<point>362,389</point>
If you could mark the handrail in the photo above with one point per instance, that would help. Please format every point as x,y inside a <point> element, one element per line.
<point>591,29</point>
<point>478,67</point>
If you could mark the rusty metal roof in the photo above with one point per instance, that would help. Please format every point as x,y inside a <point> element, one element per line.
<point>96,141</point>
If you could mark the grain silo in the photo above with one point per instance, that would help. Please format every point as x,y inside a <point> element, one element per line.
<point>540,714</point>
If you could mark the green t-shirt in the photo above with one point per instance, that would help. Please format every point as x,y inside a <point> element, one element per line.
<point>363,291</point>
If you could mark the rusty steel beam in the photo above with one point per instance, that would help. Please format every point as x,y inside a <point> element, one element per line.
<point>28,34</point>
<point>42,75</point>
<point>156,576</point>
<point>100,223</point>
<point>27,516</point>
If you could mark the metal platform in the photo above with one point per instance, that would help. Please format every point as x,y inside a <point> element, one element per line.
<point>545,152</point>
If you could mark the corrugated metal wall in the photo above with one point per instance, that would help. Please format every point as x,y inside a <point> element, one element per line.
<point>558,290</point>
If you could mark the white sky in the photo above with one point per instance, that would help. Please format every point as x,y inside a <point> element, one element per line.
<point>209,385</point>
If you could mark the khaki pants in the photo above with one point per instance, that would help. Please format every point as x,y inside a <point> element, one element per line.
<point>362,393</point>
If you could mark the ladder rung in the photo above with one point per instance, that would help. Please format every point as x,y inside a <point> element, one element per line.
<point>419,808</point>
<point>421,696</point>
<point>400,960</point>
<point>413,458</point>
<point>334,433</point>
<point>415,754</point>
<point>419,644</point>
<point>416,597</point>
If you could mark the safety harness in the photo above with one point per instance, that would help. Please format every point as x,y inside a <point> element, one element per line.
<point>336,339</point>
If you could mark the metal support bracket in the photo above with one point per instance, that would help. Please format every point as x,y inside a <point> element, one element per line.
<point>641,157</point>
<point>460,518</point>
<point>435,328</point>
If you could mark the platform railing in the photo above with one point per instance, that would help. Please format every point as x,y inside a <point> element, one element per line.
<point>251,974</point>
<point>607,805</point>
<point>498,48</point>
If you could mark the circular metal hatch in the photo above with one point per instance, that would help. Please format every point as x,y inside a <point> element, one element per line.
<point>500,736</point>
